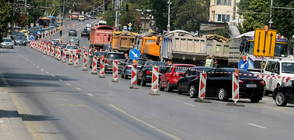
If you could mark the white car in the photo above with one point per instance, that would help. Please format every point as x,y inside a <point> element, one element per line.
<point>7,43</point>
<point>278,67</point>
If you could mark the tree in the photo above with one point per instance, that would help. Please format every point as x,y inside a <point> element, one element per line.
<point>283,18</point>
<point>5,14</point>
<point>256,14</point>
<point>188,14</point>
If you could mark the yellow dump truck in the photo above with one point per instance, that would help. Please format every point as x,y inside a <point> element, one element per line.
<point>149,45</point>
<point>123,41</point>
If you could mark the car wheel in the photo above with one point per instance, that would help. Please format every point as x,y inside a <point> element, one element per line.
<point>125,75</point>
<point>168,88</point>
<point>255,100</point>
<point>11,47</point>
<point>160,86</point>
<point>280,99</point>
<point>222,94</point>
<point>143,83</point>
<point>121,75</point>
<point>192,91</point>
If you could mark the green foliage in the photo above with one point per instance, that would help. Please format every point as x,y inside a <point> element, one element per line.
<point>109,17</point>
<point>223,32</point>
<point>188,14</point>
<point>5,14</point>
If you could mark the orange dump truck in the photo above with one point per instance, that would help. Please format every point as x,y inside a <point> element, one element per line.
<point>74,16</point>
<point>100,35</point>
<point>123,41</point>
<point>149,45</point>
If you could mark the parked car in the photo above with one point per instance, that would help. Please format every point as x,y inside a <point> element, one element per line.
<point>74,40</point>
<point>189,78</point>
<point>20,40</point>
<point>72,32</point>
<point>110,57</point>
<point>127,67</point>
<point>284,94</point>
<point>81,18</point>
<point>277,67</point>
<point>73,48</point>
<point>173,73</point>
<point>97,54</point>
<point>219,84</point>
<point>6,43</point>
<point>85,32</point>
<point>144,74</point>
<point>86,17</point>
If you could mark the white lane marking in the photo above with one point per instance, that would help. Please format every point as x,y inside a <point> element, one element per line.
<point>53,75</point>
<point>34,64</point>
<point>31,62</point>
<point>47,72</point>
<point>60,80</point>
<point>68,84</point>
<point>90,94</point>
<point>189,104</point>
<point>42,69</point>
<point>78,88</point>
<point>38,67</point>
<point>255,125</point>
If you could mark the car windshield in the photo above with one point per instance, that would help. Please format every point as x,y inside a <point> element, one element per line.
<point>287,67</point>
<point>141,62</point>
<point>72,47</point>
<point>99,53</point>
<point>197,70</point>
<point>75,39</point>
<point>7,40</point>
<point>116,56</point>
<point>20,37</point>
<point>62,45</point>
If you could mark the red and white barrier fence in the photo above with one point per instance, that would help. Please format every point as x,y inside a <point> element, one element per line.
<point>154,84</point>
<point>70,57</point>
<point>85,64</point>
<point>94,65</point>
<point>102,68</point>
<point>115,71</point>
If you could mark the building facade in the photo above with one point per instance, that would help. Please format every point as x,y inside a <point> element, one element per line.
<point>224,11</point>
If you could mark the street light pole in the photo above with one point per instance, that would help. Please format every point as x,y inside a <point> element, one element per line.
<point>168,16</point>
<point>270,22</point>
<point>61,27</point>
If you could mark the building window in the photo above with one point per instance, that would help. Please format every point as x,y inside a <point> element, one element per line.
<point>223,18</point>
<point>223,2</point>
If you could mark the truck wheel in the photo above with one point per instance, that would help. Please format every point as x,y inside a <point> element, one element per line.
<point>280,99</point>
<point>160,86</point>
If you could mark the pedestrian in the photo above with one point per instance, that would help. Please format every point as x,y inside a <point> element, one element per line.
<point>214,63</point>
<point>208,62</point>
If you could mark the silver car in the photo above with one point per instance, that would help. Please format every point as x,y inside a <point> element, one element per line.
<point>73,48</point>
<point>75,41</point>
<point>7,43</point>
<point>110,56</point>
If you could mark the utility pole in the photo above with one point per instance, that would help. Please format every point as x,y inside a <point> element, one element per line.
<point>62,21</point>
<point>168,16</point>
<point>103,7</point>
<point>116,14</point>
<point>270,22</point>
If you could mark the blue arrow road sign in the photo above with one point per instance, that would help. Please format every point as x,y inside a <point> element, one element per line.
<point>134,54</point>
<point>243,64</point>
<point>32,38</point>
<point>130,28</point>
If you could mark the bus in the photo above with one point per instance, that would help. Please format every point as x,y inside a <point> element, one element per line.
<point>74,16</point>
<point>46,21</point>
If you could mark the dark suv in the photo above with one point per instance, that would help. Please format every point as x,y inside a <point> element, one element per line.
<point>72,32</point>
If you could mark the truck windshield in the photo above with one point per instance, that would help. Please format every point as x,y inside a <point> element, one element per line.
<point>280,49</point>
<point>287,67</point>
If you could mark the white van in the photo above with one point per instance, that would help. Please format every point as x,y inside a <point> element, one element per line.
<point>278,67</point>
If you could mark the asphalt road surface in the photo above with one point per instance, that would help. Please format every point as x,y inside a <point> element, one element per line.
<point>62,102</point>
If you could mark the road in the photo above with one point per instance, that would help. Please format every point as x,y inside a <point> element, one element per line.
<point>60,102</point>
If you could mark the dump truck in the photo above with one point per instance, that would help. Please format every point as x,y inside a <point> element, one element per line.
<point>182,46</point>
<point>149,45</point>
<point>100,35</point>
<point>123,41</point>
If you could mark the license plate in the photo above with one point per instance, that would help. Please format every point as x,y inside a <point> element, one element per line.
<point>251,85</point>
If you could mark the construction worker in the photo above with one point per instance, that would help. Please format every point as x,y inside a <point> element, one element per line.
<point>208,62</point>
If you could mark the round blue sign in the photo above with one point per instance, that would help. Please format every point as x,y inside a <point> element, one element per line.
<point>134,54</point>
<point>243,64</point>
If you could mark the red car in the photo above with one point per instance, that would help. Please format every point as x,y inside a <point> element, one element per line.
<point>171,76</point>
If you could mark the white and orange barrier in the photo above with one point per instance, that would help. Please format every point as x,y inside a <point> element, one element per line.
<point>115,71</point>
<point>154,84</point>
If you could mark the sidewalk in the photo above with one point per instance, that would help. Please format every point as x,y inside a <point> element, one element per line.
<point>12,126</point>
